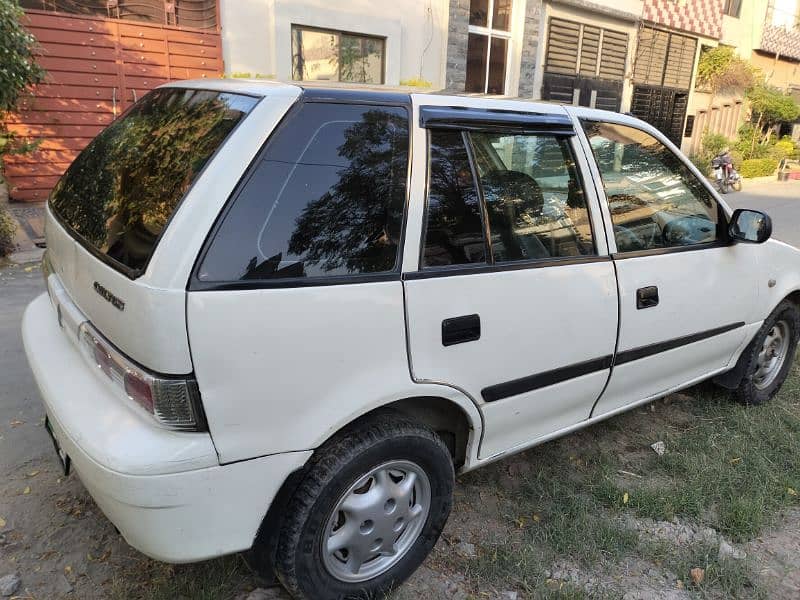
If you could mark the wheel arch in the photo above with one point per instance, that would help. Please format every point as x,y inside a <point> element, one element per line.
<point>456,421</point>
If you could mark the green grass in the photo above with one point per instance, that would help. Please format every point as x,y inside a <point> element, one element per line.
<point>731,467</point>
<point>212,580</point>
<point>729,577</point>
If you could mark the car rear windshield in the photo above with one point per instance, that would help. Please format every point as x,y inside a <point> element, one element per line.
<point>121,191</point>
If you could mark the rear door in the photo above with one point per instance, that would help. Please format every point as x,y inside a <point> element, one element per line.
<point>513,297</point>
<point>686,294</point>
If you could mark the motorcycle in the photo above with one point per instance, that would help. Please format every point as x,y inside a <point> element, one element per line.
<point>726,176</point>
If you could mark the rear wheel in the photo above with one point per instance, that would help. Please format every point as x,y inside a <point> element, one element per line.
<point>367,513</point>
<point>769,356</point>
<point>737,184</point>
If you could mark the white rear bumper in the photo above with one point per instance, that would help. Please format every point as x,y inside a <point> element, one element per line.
<point>164,490</point>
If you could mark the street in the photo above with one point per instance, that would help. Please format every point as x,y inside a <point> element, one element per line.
<point>781,201</point>
<point>56,538</point>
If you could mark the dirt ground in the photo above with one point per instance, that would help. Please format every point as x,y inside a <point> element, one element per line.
<point>56,539</point>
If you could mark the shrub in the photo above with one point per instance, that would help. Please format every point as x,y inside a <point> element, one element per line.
<point>714,143</point>
<point>781,150</point>
<point>18,70</point>
<point>8,226</point>
<point>758,167</point>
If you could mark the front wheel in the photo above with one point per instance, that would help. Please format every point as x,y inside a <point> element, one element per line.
<point>769,356</point>
<point>723,186</point>
<point>369,510</point>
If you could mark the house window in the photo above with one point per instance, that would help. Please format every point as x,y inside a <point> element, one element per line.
<point>488,45</point>
<point>732,8</point>
<point>325,55</point>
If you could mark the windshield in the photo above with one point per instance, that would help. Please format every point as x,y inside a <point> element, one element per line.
<point>121,191</point>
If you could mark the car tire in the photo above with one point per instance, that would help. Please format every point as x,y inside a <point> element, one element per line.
<point>388,476</point>
<point>769,356</point>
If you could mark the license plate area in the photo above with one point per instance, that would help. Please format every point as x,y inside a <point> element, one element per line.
<point>63,458</point>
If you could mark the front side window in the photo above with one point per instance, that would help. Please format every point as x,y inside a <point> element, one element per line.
<point>534,200</point>
<point>325,55</point>
<point>488,45</point>
<point>326,198</point>
<point>654,199</point>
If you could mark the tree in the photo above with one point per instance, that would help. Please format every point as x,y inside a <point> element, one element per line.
<point>770,106</point>
<point>18,68</point>
<point>721,71</point>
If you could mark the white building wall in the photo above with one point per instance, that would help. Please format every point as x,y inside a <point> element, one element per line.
<point>256,34</point>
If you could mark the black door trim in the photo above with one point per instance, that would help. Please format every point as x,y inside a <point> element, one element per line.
<point>500,391</point>
<point>540,380</point>
<point>627,356</point>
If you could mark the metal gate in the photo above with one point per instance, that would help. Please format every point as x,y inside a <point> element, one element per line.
<point>664,108</point>
<point>96,68</point>
<point>584,65</point>
<point>662,75</point>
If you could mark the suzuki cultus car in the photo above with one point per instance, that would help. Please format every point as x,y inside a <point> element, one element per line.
<point>281,317</point>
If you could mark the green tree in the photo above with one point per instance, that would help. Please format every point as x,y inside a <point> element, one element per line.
<point>721,71</point>
<point>18,69</point>
<point>770,106</point>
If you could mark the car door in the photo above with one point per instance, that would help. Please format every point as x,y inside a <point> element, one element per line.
<point>686,293</point>
<point>512,296</point>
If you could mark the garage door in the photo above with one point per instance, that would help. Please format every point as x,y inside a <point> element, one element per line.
<point>584,64</point>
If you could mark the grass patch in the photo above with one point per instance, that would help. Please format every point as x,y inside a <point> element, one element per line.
<point>727,466</point>
<point>732,578</point>
<point>210,580</point>
<point>731,467</point>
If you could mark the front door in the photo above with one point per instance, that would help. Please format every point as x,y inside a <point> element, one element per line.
<point>515,299</point>
<point>686,296</point>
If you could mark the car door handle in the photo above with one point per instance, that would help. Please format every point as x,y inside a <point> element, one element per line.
<point>458,330</point>
<point>647,297</point>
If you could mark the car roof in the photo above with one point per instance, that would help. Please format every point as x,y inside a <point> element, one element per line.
<point>381,94</point>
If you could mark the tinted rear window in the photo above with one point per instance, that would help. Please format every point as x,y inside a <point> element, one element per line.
<point>325,199</point>
<point>122,189</point>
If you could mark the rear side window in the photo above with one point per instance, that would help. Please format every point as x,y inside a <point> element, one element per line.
<point>325,199</point>
<point>119,194</point>
<point>454,230</point>
<point>534,198</point>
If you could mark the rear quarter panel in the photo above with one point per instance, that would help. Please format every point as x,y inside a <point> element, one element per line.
<point>282,369</point>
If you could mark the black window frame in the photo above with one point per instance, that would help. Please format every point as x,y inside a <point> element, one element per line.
<point>537,126</point>
<point>318,96</point>
<point>723,235</point>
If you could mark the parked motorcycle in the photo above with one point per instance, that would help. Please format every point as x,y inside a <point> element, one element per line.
<point>726,176</point>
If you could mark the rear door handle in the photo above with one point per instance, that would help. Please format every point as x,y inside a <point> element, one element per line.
<point>458,330</point>
<point>647,297</point>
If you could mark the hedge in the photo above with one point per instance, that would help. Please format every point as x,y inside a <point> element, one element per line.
<point>758,167</point>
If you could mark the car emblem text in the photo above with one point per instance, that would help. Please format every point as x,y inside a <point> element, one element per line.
<point>116,302</point>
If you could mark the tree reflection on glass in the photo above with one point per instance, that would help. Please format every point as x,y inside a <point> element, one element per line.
<point>356,224</point>
<point>120,192</point>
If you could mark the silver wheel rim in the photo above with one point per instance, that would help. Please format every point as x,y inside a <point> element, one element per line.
<point>376,521</point>
<point>772,355</point>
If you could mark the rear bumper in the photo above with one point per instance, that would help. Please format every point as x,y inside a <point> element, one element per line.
<point>165,491</point>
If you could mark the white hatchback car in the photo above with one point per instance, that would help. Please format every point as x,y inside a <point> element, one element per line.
<point>282,317</point>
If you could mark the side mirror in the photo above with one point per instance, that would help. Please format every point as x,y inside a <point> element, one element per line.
<point>751,226</point>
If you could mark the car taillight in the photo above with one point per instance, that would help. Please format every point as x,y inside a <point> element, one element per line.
<point>173,401</point>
